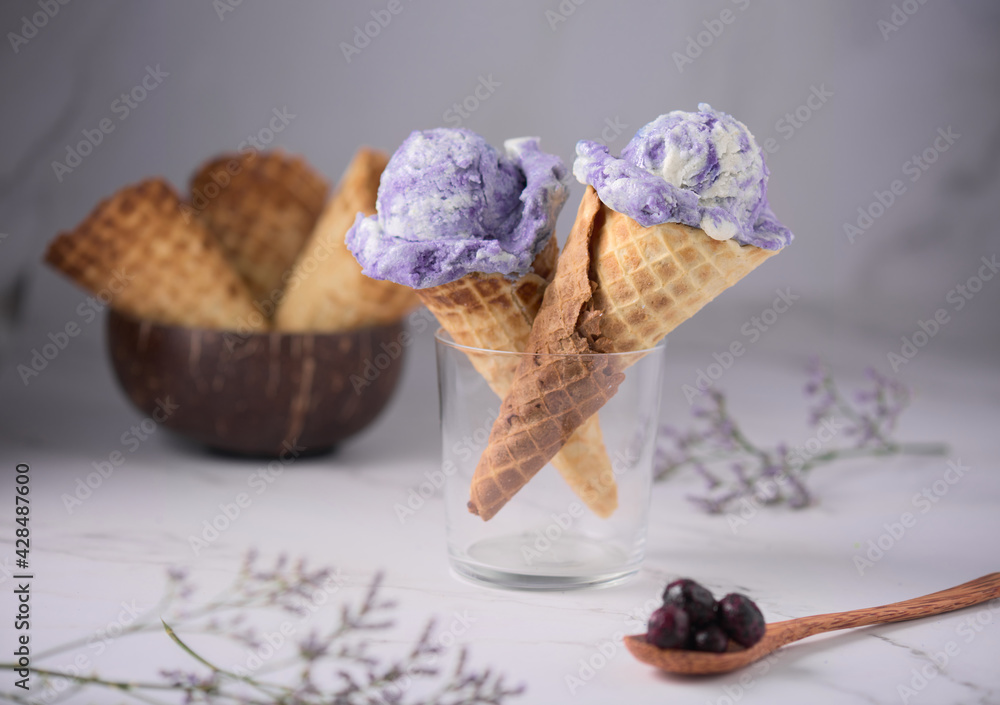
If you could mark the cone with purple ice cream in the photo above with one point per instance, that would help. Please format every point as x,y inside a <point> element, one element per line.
<point>661,231</point>
<point>472,231</point>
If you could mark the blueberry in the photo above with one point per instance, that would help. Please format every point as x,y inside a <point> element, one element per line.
<point>668,627</point>
<point>710,638</point>
<point>695,599</point>
<point>741,619</point>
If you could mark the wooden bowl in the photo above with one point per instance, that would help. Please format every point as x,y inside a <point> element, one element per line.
<point>261,394</point>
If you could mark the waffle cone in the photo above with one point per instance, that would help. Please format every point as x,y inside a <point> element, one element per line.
<point>618,287</point>
<point>326,290</point>
<point>138,251</point>
<point>261,207</point>
<point>489,312</point>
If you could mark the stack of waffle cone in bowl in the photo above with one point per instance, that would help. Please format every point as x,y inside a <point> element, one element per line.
<point>661,231</point>
<point>250,264</point>
<point>257,246</point>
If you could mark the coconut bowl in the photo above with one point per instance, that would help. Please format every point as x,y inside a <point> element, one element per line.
<point>257,394</point>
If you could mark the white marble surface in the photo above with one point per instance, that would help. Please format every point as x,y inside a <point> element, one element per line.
<point>338,510</point>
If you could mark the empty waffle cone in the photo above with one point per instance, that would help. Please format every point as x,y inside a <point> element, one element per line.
<point>489,312</point>
<point>139,252</point>
<point>261,207</point>
<point>618,287</point>
<point>326,290</point>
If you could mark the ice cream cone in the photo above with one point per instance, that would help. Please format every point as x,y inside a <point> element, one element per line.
<point>139,252</point>
<point>618,287</point>
<point>262,208</point>
<point>326,290</point>
<point>489,312</point>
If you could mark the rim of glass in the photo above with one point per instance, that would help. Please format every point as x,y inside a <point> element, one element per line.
<point>444,337</point>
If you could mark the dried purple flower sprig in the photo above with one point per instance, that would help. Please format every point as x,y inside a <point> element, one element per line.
<point>335,666</point>
<point>736,470</point>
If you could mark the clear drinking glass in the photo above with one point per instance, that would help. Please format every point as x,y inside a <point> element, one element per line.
<point>545,537</point>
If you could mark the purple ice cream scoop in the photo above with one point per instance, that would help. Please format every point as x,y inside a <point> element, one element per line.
<point>449,204</point>
<point>702,169</point>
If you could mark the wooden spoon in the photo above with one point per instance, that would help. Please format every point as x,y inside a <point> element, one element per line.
<point>780,633</point>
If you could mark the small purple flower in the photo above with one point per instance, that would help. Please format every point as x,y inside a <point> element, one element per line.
<point>312,647</point>
<point>708,505</point>
<point>771,475</point>
<point>710,479</point>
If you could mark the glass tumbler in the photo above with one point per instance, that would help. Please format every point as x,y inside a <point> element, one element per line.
<point>546,537</point>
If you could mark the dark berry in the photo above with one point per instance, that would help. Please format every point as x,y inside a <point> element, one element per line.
<point>668,627</point>
<point>710,638</point>
<point>741,619</point>
<point>693,598</point>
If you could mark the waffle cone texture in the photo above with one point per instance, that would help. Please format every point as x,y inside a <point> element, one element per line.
<point>261,207</point>
<point>489,312</point>
<point>618,287</point>
<point>140,252</point>
<point>325,289</point>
